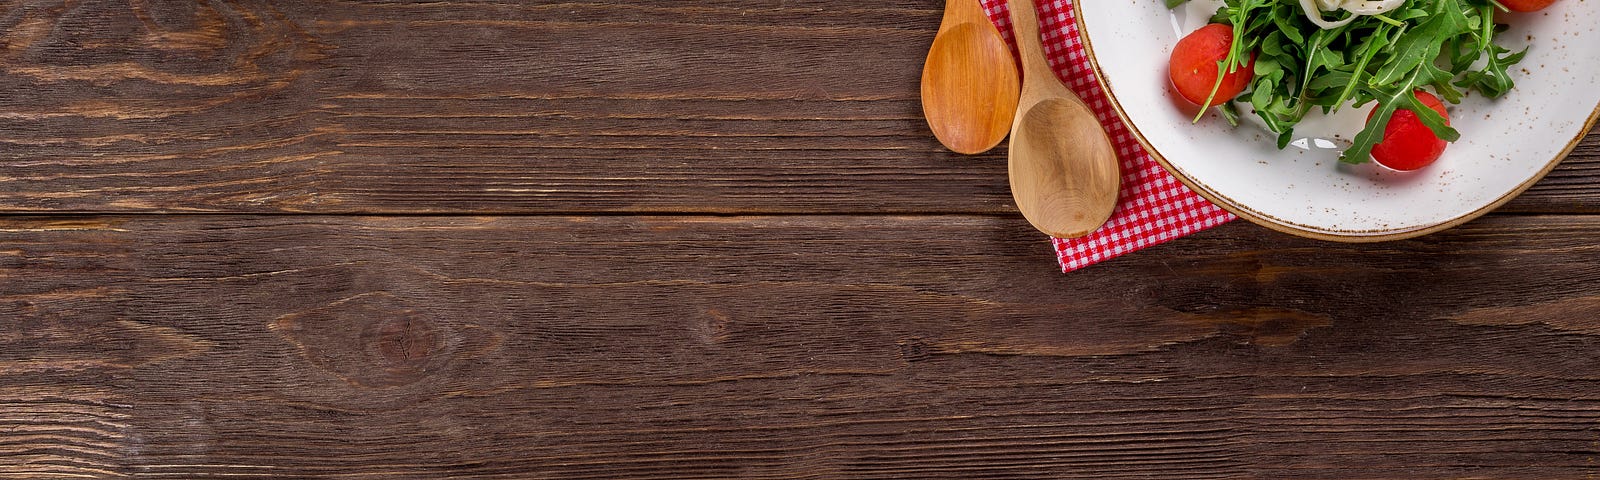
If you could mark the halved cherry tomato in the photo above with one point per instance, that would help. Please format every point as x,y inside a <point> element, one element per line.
<point>1193,66</point>
<point>1526,5</point>
<point>1407,143</point>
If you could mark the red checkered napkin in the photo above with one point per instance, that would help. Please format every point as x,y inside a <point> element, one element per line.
<point>1153,206</point>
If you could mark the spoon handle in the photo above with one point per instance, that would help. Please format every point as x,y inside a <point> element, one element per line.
<point>963,11</point>
<point>1025,27</point>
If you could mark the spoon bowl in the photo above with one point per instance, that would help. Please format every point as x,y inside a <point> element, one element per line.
<point>1064,173</point>
<point>969,81</point>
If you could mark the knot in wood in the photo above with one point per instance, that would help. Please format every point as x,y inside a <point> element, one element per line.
<point>372,340</point>
<point>403,342</point>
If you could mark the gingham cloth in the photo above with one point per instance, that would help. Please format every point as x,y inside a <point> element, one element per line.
<point>1153,207</point>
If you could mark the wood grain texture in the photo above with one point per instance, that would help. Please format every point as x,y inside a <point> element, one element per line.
<point>787,347</point>
<point>374,106</point>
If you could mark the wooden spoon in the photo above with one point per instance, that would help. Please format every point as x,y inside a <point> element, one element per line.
<point>1064,174</point>
<point>969,82</point>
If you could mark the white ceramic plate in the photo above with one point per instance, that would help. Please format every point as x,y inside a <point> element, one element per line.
<point>1507,144</point>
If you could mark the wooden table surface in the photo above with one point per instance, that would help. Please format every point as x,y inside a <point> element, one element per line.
<point>712,239</point>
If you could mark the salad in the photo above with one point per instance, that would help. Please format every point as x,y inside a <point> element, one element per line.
<point>1286,58</point>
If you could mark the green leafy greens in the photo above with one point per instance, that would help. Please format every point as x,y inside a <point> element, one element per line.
<point>1447,45</point>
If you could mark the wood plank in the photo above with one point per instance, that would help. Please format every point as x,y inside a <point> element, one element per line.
<point>787,347</point>
<point>494,107</point>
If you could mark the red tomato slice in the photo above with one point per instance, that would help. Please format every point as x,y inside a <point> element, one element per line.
<point>1193,66</point>
<point>1407,143</point>
<point>1526,5</point>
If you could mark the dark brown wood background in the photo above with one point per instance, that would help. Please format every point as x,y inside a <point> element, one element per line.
<point>668,239</point>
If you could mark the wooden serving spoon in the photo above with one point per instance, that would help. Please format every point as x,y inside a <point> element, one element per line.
<point>969,82</point>
<point>1064,174</point>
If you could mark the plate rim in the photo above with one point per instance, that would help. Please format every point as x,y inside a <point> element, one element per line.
<point>1265,220</point>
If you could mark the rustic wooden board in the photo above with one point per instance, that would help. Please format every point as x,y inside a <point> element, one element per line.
<point>527,325</point>
<point>787,347</point>
<point>639,106</point>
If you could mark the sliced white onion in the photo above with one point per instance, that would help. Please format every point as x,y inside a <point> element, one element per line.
<point>1315,8</point>
<point>1314,12</point>
<point>1372,7</point>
